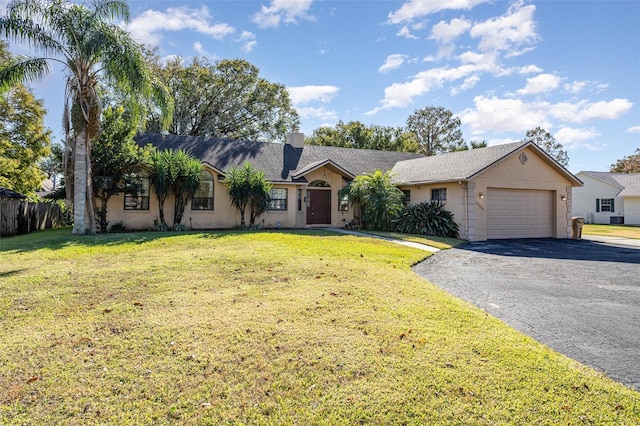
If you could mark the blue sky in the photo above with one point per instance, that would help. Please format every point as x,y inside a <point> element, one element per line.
<point>571,67</point>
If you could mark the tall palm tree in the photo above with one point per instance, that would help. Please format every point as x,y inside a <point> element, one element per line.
<point>91,48</point>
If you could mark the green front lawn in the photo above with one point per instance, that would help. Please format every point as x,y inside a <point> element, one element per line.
<point>624,231</point>
<point>266,328</point>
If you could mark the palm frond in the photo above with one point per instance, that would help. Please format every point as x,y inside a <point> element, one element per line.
<point>22,69</point>
<point>33,34</point>
<point>111,9</point>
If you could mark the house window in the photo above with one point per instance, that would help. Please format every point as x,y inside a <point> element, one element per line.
<point>439,194</point>
<point>278,199</point>
<point>299,200</point>
<point>203,197</point>
<point>407,197</point>
<point>605,205</point>
<point>136,194</point>
<point>343,202</point>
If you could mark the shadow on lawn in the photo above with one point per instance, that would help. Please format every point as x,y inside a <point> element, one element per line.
<point>549,248</point>
<point>59,238</point>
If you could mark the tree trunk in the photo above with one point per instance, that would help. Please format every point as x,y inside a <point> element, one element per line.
<point>242,222</point>
<point>163,223</point>
<point>90,214</point>
<point>80,181</point>
<point>102,214</point>
<point>179,210</point>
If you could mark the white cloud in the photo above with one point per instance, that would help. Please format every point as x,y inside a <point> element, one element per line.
<point>469,83</point>
<point>540,84</point>
<point>305,94</point>
<point>492,114</point>
<point>529,69</point>
<point>400,95</point>
<point>569,135</point>
<point>406,33</point>
<point>3,6</point>
<point>317,113</point>
<point>579,86</point>
<point>248,41</point>
<point>287,11</point>
<point>581,111</point>
<point>633,129</point>
<point>148,27</point>
<point>607,109</point>
<point>197,46</point>
<point>393,62</point>
<point>575,86</point>
<point>414,9</point>
<point>506,33</point>
<point>445,33</point>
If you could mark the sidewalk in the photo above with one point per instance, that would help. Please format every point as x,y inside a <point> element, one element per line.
<point>391,240</point>
<point>612,240</point>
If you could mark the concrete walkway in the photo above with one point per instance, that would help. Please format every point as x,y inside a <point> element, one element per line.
<point>612,240</point>
<point>391,240</point>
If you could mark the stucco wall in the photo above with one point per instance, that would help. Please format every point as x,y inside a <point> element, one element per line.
<point>584,200</point>
<point>224,215</point>
<point>535,173</point>
<point>455,200</point>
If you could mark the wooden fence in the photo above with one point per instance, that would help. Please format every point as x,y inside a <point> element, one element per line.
<point>22,217</point>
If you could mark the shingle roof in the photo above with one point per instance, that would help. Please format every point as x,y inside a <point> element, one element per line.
<point>280,162</point>
<point>460,165</point>
<point>286,163</point>
<point>629,183</point>
<point>7,193</point>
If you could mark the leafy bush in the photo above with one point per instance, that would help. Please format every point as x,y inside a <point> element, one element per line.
<point>428,218</point>
<point>117,227</point>
<point>379,199</point>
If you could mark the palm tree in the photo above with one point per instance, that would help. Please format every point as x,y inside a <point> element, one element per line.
<point>186,182</point>
<point>260,196</point>
<point>379,199</point>
<point>238,189</point>
<point>248,187</point>
<point>91,48</point>
<point>161,177</point>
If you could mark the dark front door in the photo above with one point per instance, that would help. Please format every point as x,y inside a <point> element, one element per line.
<point>319,208</point>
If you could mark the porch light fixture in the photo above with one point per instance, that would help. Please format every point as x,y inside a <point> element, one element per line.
<point>481,196</point>
<point>563,197</point>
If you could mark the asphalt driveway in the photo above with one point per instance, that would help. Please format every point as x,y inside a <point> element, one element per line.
<point>580,298</point>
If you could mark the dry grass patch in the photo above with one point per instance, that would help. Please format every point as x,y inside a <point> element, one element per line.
<point>265,328</point>
<point>624,231</point>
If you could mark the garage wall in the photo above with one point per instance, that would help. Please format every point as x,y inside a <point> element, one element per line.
<point>530,173</point>
<point>455,201</point>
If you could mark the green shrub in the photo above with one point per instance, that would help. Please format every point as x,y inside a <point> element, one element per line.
<point>428,218</point>
<point>117,228</point>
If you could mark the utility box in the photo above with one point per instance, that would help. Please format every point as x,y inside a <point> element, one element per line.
<point>577,223</point>
<point>616,220</point>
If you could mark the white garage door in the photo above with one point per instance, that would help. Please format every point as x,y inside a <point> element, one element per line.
<point>516,213</point>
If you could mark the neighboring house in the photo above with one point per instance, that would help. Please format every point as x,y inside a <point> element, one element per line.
<point>608,198</point>
<point>507,191</point>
